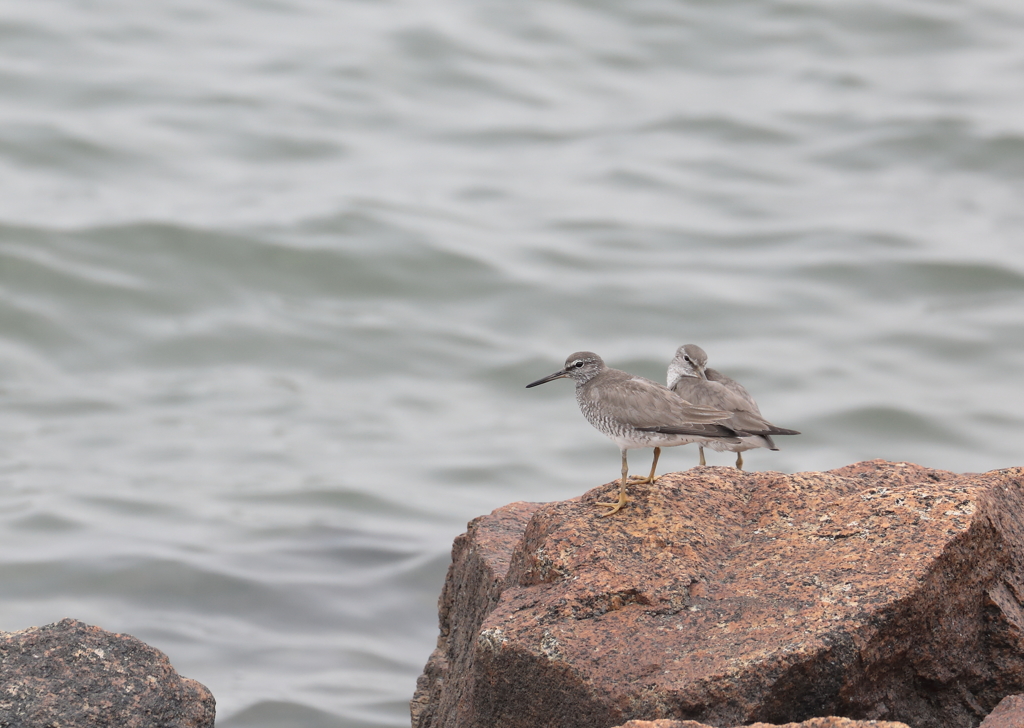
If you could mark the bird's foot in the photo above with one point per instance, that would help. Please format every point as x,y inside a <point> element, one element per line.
<point>640,479</point>
<point>623,500</point>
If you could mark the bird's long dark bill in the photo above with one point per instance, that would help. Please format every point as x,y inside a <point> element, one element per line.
<point>557,375</point>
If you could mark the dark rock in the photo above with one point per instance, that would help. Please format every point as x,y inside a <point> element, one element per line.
<point>1008,714</point>
<point>72,675</point>
<point>875,591</point>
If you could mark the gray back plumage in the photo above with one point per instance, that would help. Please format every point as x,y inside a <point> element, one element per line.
<point>713,375</point>
<point>691,379</point>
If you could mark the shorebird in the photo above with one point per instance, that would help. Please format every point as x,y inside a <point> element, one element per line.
<point>636,412</point>
<point>690,378</point>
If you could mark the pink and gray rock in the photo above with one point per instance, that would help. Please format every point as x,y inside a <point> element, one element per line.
<point>829,722</point>
<point>878,591</point>
<point>1008,714</point>
<point>71,675</point>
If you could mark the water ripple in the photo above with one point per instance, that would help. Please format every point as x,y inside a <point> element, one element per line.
<point>273,277</point>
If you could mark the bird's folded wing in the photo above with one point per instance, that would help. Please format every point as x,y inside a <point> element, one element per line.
<point>643,403</point>
<point>711,431</point>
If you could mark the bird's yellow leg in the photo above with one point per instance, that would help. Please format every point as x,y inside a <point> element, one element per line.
<point>637,480</point>
<point>622,491</point>
<point>739,461</point>
<point>702,460</point>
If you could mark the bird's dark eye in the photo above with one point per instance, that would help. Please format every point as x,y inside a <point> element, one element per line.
<point>578,363</point>
<point>688,359</point>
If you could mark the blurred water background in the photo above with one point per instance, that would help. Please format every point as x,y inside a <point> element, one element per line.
<point>274,274</point>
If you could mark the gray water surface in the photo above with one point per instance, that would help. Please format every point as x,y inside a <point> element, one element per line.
<point>273,276</point>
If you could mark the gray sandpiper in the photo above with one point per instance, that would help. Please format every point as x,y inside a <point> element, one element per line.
<point>636,412</point>
<point>690,378</point>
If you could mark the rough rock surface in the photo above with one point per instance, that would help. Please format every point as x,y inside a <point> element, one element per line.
<point>1008,714</point>
<point>72,675</point>
<point>480,559</point>
<point>880,590</point>
<point>828,722</point>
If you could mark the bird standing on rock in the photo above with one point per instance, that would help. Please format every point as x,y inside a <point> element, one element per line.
<point>690,378</point>
<point>636,412</point>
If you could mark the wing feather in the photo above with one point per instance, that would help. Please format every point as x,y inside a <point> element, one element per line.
<point>643,403</point>
<point>745,417</point>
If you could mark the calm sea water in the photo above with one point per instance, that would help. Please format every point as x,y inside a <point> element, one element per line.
<point>273,276</point>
